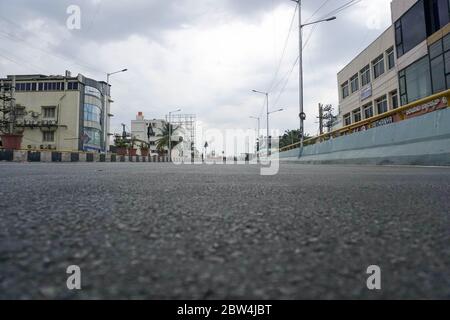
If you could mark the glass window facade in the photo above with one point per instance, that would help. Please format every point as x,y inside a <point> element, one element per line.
<point>437,15</point>
<point>93,118</point>
<point>92,113</point>
<point>94,137</point>
<point>421,21</point>
<point>440,64</point>
<point>411,29</point>
<point>415,81</point>
<point>93,92</point>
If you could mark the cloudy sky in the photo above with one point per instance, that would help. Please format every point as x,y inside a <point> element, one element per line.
<point>204,56</point>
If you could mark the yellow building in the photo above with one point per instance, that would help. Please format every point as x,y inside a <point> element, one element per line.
<point>61,112</point>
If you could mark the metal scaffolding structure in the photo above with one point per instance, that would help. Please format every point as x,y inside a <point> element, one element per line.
<point>187,124</point>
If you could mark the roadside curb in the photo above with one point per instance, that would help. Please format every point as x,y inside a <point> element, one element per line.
<point>61,157</point>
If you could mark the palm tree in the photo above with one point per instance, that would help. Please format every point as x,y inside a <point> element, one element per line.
<point>163,142</point>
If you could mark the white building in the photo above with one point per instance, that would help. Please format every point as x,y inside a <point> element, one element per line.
<point>409,61</point>
<point>368,86</point>
<point>147,130</point>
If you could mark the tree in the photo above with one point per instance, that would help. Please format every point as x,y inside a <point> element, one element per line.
<point>163,142</point>
<point>291,137</point>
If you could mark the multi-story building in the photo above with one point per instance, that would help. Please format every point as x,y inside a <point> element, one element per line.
<point>423,47</point>
<point>147,130</point>
<point>368,86</point>
<point>409,61</point>
<point>61,112</point>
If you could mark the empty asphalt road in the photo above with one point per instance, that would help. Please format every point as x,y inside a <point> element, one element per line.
<point>160,231</point>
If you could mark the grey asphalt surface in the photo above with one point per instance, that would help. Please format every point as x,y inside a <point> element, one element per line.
<point>160,231</point>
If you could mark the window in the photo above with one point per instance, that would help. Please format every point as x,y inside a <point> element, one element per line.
<point>391,58</point>
<point>440,64</point>
<point>345,92</point>
<point>415,81</point>
<point>365,76</point>
<point>411,29</point>
<point>347,120</point>
<point>354,83</point>
<point>49,112</point>
<point>394,100</point>
<point>48,136</point>
<point>437,15</point>
<point>378,66</point>
<point>92,113</point>
<point>93,91</point>
<point>368,111</point>
<point>72,86</point>
<point>357,115</point>
<point>382,105</point>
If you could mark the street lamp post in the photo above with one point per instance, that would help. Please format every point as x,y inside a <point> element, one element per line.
<point>267,105</point>
<point>106,107</point>
<point>170,133</point>
<point>302,114</point>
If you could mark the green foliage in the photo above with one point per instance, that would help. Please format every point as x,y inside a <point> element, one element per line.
<point>163,141</point>
<point>291,137</point>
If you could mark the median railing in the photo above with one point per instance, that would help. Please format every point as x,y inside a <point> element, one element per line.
<point>417,108</point>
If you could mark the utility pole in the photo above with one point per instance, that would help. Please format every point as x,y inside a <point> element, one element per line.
<point>321,118</point>
<point>12,111</point>
<point>302,114</point>
<point>107,96</point>
<point>331,119</point>
<point>124,131</point>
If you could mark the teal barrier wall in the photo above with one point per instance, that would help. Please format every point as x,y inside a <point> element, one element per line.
<point>424,140</point>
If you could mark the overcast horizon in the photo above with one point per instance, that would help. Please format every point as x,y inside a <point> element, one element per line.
<point>204,56</point>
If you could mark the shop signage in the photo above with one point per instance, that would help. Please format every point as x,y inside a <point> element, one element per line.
<point>366,92</point>
<point>425,108</point>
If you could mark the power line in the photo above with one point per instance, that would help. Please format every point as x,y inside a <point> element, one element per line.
<point>286,79</point>
<point>45,42</point>
<point>284,49</point>
<point>341,8</point>
<point>317,10</point>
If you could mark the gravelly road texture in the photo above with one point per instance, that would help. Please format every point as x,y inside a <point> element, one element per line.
<point>160,231</point>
